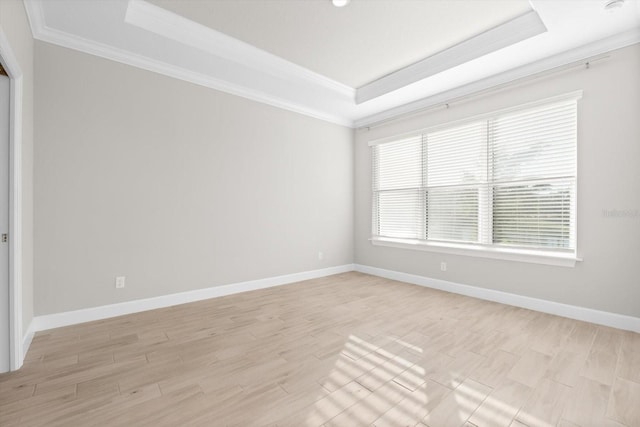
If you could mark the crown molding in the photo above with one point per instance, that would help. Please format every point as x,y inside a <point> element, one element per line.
<point>35,15</point>
<point>175,27</point>
<point>514,75</point>
<point>509,33</point>
<point>223,63</point>
<point>44,33</point>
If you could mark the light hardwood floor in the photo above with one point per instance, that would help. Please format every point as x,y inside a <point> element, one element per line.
<point>345,350</point>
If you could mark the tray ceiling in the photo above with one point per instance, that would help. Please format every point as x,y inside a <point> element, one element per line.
<point>353,45</point>
<point>315,59</point>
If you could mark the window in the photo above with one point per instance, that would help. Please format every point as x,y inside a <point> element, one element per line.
<point>506,182</point>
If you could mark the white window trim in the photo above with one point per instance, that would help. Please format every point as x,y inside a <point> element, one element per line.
<point>561,259</point>
<point>555,258</point>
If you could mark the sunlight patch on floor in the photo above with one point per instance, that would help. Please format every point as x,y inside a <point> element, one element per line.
<point>386,386</point>
<point>359,358</point>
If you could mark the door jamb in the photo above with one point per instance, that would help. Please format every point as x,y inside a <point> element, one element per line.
<point>12,67</point>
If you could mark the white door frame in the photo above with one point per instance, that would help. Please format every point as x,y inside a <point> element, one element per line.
<point>12,68</point>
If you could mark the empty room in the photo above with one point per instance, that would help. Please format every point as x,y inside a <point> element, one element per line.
<point>323,213</point>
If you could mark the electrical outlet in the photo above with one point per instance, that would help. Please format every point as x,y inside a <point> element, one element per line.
<point>320,256</point>
<point>443,266</point>
<point>120,282</point>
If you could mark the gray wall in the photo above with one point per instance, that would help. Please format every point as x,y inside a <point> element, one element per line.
<point>14,23</point>
<point>608,178</point>
<point>179,187</point>
<point>175,186</point>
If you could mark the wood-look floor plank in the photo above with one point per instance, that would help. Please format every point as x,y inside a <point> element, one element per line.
<point>565,367</point>
<point>413,408</point>
<point>623,403</point>
<point>530,368</point>
<point>494,369</point>
<point>502,405</point>
<point>349,349</point>
<point>600,366</point>
<point>587,404</point>
<point>367,410</point>
<point>629,365</point>
<point>457,406</point>
<point>545,405</point>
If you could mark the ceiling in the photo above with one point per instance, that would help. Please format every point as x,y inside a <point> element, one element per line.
<point>368,61</point>
<point>353,45</point>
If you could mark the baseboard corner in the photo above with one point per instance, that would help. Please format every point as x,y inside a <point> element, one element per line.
<point>27,339</point>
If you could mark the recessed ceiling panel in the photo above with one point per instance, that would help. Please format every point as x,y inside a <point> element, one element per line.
<point>355,44</point>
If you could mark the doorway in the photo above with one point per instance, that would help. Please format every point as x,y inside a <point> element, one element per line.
<point>11,97</point>
<point>5,359</point>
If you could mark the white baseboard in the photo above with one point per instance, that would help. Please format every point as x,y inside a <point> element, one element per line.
<point>26,342</point>
<point>49,321</point>
<point>605,318</point>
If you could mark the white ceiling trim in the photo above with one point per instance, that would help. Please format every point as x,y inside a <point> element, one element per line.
<point>581,53</point>
<point>35,15</point>
<point>175,27</point>
<point>511,32</point>
<point>255,74</point>
<point>42,32</point>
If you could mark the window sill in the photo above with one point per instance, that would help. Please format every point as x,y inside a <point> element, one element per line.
<point>520,255</point>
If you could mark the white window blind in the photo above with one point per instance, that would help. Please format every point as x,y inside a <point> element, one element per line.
<point>398,188</point>
<point>534,177</point>
<point>456,177</point>
<point>508,180</point>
